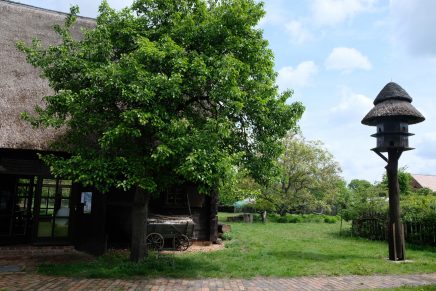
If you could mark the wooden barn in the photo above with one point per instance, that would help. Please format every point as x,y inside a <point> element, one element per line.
<point>35,207</point>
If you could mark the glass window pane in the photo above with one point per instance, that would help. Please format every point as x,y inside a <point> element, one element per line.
<point>43,204</point>
<point>65,203</point>
<point>23,181</point>
<point>22,191</point>
<point>61,227</point>
<point>66,182</point>
<point>49,181</point>
<point>66,192</point>
<point>45,227</point>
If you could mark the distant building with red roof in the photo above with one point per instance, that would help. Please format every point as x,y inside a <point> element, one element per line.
<point>424,181</point>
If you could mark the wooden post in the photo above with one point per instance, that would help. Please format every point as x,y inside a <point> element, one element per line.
<point>403,240</point>
<point>395,239</point>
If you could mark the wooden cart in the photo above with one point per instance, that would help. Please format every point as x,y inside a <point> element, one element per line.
<point>169,232</point>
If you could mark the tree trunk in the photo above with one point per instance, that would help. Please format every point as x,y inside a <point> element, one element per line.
<point>395,230</point>
<point>213,218</point>
<point>138,249</point>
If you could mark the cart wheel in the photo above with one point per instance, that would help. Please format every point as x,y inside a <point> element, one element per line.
<point>154,241</point>
<point>182,242</point>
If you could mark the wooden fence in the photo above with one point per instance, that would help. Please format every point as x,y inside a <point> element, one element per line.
<point>375,229</point>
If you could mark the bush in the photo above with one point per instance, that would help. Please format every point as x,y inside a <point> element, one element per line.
<point>317,218</point>
<point>301,218</point>
<point>295,219</point>
<point>418,214</point>
<point>257,217</point>
<point>282,219</point>
<point>226,236</point>
<point>330,219</point>
<point>273,217</point>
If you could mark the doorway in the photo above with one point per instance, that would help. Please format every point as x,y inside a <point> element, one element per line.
<point>16,207</point>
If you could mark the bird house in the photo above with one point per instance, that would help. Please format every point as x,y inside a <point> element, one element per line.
<point>392,113</point>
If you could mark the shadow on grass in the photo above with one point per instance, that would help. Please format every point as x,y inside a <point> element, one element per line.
<point>119,266</point>
<point>313,256</point>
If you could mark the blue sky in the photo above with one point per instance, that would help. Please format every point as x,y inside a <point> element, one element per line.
<point>337,55</point>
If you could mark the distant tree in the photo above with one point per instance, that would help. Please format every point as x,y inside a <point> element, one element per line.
<point>404,181</point>
<point>160,93</point>
<point>364,197</point>
<point>357,185</point>
<point>308,178</point>
<point>239,187</point>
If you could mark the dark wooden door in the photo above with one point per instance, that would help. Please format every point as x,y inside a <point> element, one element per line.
<point>89,220</point>
<point>16,208</point>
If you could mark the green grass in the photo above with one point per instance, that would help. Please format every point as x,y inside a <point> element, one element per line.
<point>271,249</point>
<point>410,288</point>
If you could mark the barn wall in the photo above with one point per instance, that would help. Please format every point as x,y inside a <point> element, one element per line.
<point>119,204</point>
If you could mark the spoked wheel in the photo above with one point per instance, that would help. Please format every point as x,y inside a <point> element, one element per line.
<point>154,241</point>
<point>182,242</point>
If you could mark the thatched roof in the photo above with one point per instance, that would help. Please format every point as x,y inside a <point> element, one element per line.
<point>21,88</point>
<point>393,102</point>
<point>392,91</point>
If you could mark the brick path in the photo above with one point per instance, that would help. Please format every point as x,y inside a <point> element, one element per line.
<point>23,281</point>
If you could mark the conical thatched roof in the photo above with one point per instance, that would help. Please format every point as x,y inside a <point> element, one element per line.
<point>393,102</point>
<point>21,88</point>
<point>392,91</point>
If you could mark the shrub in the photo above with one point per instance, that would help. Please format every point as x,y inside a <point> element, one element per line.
<point>273,217</point>
<point>330,219</point>
<point>313,218</point>
<point>418,214</point>
<point>226,236</point>
<point>295,219</point>
<point>282,219</point>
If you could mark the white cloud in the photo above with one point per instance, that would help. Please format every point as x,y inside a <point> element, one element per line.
<point>412,25</point>
<point>349,140</point>
<point>347,59</point>
<point>297,32</point>
<point>351,109</point>
<point>299,77</point>
<point>332,12</point>
<point>275,14</point>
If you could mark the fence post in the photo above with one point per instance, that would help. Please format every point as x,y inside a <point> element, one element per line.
<point>404,241</point>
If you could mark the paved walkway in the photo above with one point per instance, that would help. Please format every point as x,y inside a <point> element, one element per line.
<point>23,281</point>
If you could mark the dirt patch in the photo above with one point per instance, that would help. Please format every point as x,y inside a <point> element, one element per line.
<point>198,248</point>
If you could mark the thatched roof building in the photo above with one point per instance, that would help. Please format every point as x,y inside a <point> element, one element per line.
<point>393,102</point>
<point>34,205</point>
<point>21,87</point>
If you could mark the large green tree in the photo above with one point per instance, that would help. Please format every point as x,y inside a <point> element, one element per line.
<point>163,92</point>
<point>308,179</point>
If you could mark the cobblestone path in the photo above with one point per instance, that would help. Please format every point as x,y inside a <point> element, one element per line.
<point>23,281</point>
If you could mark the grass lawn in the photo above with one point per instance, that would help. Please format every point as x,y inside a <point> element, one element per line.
<point>271,249</point>
<point>409,288</point>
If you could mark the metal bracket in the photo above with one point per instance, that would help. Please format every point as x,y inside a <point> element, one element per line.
<point>381,156</point>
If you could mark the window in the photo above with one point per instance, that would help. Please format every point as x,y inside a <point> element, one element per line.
<point>54,208</point>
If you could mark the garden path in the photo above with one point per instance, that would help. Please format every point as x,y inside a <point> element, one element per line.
<point>24,281</point>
